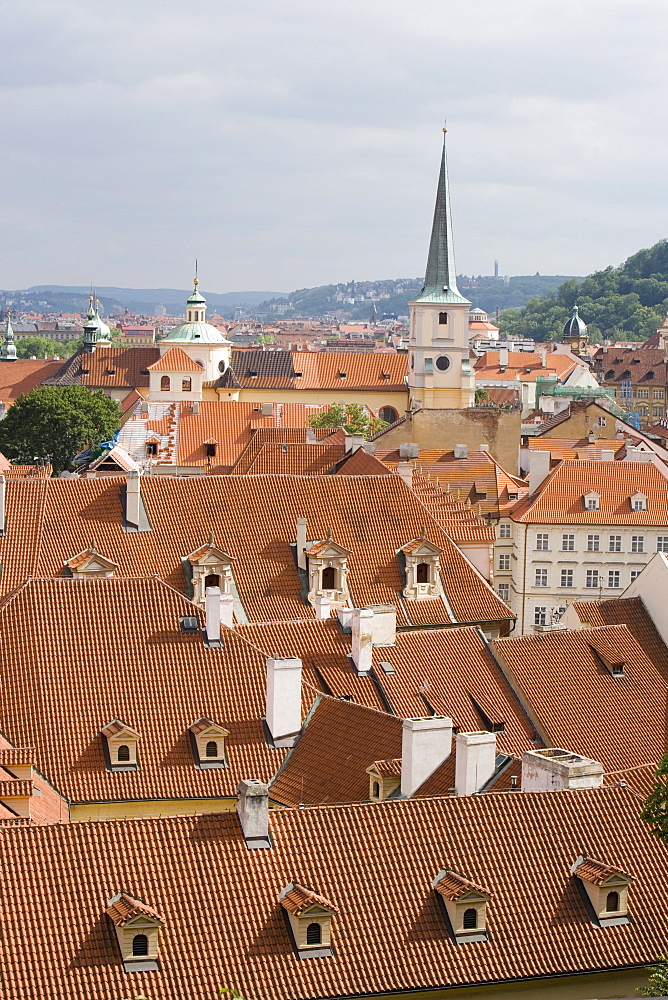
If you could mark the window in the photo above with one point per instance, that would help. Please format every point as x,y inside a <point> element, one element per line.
<point>504,562</point>
<point>612,902</point>
<point>601,421</point>
<point>662,543</point>
<point>503,590</point>
<point>422,573</point>
<point>642,393</point>
<point>429,364</point>
<point>568,543</point>
<point>212,580</point>
<point>151,448</point>
<point>542,541</point>
<point>592,578</point>
<point>513,496</point>
<point>567,578</point>
<point>593,543</point>
<point>540,616</point>
<point>642,411</point>
<point>637,504</point>
<point>186,384</point>
<point>329,578</point>
<point>613,578</point>
<point>123,753</point>
<point>592,501</point>
<point>165,383</point>
<point>442,319</point>
<point>657,411</point>
<point>210,450</point>
<point>139,945</point>
<point>615,543</point>
<point>376,790</point>
<point>313,934</point>
<point>471,918</point>
<point>541,578</point>
<point>637,543</point>
<point>657,394</point>
<point>443,363</point>
<point>634,574</point>
<point>388,414</point>
<point>211,749</point>
<point>504,531</point>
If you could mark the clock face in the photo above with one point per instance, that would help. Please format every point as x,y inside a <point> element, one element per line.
<point>443,363</point>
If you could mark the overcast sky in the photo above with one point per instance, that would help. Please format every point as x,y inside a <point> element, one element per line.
<point>289,143</point>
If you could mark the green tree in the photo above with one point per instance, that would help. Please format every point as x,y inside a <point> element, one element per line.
<point>57,422</point>
<point>657,985</point>
<point>655,810</point>
<point>481,396</point>
<point>40,347</point>
<point>353,417</point>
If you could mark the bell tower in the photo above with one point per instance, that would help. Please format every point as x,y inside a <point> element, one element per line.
<point>439,370</point>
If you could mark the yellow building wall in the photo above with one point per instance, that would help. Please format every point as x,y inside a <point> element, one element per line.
<point>148,809</point>
<point>444,399</point>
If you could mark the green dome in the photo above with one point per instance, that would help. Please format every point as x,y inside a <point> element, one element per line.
<point>196,333</point>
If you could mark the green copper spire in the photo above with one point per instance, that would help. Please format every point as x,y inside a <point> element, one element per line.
<point>90,329</point>
<point>440,283</point>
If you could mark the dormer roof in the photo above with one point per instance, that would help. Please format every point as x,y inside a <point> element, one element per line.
<point>297,899</point>
<point>175,360</point>
<point>453,886</point>
<point>123,908</point>
<point>91,561</point>
<point>206,727</point>
<point>386,768</point>
<point>600,873</point>
<point>119,730</point>
<point>209,554</point>
<point>421,546</point>
<point>328,547</point>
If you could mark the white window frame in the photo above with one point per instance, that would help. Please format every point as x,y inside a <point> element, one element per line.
<point>568,543</point>
<point>504,562</point>
<point>542,542</point>
<point>540,615</point>
<point>567,575</point>
<point>614,543</point>
<point>614,578</point>
<point>593,575</point>
<point>593,543</point>
<point>637,543</point>
<point>540,578</point>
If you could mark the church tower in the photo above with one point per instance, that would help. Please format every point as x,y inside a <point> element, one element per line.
<point>439,370</point>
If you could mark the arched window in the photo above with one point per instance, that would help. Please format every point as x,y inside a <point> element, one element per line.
<point>123,753</point>
<point>140,945</point>
<point>212,749</point>
<point>612,902</point>
<point>212,580</point>
<point>313,934</point>
<point>470,919</point>
<point>329,578</point>
<point>388,413</point>
<point>186,384</point>
<point>376,790</point>
<point>442,319</point>
<point>165,383</point>
<point>422,573</point>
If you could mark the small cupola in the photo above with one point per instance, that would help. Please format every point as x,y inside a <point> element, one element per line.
<point>421,568</point>
<point>137,927</point>
<point>384,779</point>
<point>310,920</point>
<point>328,571</point>
<point>591,501</point>
<point>90,565</point>
<point>606,890</point>
<point>208,743</point>
<point>464,904</point>
<point>210,567</point>
<point>120,746</point>
<point>8,349</point>
<point>638,501</point>
<point>575,333</point>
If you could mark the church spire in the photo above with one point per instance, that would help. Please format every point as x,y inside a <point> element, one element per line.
<point>8,350</point>
<point>440,283</point>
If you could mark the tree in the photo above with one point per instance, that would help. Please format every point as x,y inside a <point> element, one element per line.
<point>658,979</point>
<point>41,347</point>
<point>57,422</point>
<point>353,417</point>
<point>481,396</point>
<point>655,811</point>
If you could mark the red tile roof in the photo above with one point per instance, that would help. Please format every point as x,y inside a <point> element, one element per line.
<point>299,899</point>
<point>19,377</point>
<point>175,360</point>
<point>123,908</point>
<point>453,886</point>
<point>325,370</point>
<point>523,366</point>
<point>598,872</point>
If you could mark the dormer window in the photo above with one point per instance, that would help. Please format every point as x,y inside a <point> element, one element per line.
<point>208,563</point>
<point>605,890</point>
<point>137,927</point>
<point>384,779</point>
<point>591,501</point>
<point>421,569</point>
<point>207,740</point>
<point>120,746</point>
<point>464,904</point>
<point>638,502</point>
<point>211,447</point>
<point>328,571</point>
<point>309,916</point>
<point>90,564</point>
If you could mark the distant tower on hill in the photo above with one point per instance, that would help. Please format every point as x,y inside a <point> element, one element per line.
<point>496,269</point>
<point>439,372</point>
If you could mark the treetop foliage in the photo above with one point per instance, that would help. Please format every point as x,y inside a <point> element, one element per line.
<point>351,416</point>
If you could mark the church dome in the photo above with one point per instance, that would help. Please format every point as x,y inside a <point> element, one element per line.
<point>575,327</point>
<point>195,330</point>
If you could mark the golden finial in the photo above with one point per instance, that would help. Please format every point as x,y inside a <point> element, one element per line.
<point>90,298</point>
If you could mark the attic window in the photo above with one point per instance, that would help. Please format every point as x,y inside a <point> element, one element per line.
<point>591,501</point>
<point>137,928</point>
<point>464,904</point>
<point>111,371</point>
<point>638,502</point>
<point>513,496</point>
<point>144,371</point>
<point>342,375</point>
<point>384,375</point>
<point>610,373</point>
<point>309,916</point>
<point>120,746</point>
<point>189,624</point>
<point>151,448</point>
<point>140,945</point>
<point>123,754</point>
<point>298,374</point>
<point>470,919</point>
<point>210,450</point>
<point>605,889</point>
<point>207,741</point>
<point>85,371</point>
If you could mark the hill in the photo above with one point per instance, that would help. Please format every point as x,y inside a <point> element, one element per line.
<point>618,303</point>
<point>74,298</point>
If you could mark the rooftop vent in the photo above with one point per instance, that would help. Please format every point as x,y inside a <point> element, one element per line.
<point>189,623</point>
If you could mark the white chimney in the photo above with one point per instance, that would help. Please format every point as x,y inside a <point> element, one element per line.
<point>267,409</point>
<point>539,468</point>
<point>607,455</point>
<point>212,609</point>
<point>284,699</point>
<point>353,442</point>
<point>301,542</point>
<point>362,645</point>
<point>425,744</point>
<point>195,408</point>
<point>408,449</point>
<point>323,606</point>
<point>253,812</point>
<point>384,624</point>
<point>405,470</point>
<point>637,455</point>
<point>475,762</point>
<point>2,504</point>
<point>483,447</point>
<point>543,359</point>
<point>503,357</point>
<point>461,451</point>
<point>345,616</point>
<point>311,437</point>
<point>227,610</point>
<point>547,770</point>
<point>132,498</point>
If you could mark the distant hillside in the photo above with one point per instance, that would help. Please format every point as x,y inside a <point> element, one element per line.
<point>354,300</point>
<point>618,303</point>
<point>74,298</point>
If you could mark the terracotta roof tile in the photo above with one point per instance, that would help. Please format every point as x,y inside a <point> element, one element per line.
<point>19,377</point>
<point>175,360</point>
<point>299,899</point>
<point>123,908</point>
<point>598,872</point>
<point>453,886</point>
<point>524,366</point>
<point>325,370</point>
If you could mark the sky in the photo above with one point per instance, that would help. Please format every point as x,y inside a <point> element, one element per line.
<point>291,143</point>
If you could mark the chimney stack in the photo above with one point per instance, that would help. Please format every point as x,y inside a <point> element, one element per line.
<point>405,470</point>
<point>547,770</point>
<point>461,451</point>
<point>362,645</point>
<point>323,606</point>
<point>132,498</point>
<point>213,610</point>
<point>227,610</point>
<point>475,762</point>
<point>384,624</point>
<point>539,469</point>
<point>195,408</point>
<point>353,442</point>
<point>253,812</point>
<point>503,357</point>
<point>284,699</point>
<point>425,744</point>
<point>301,542</point>
<point>407,450</point>
<point>2,504</point>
